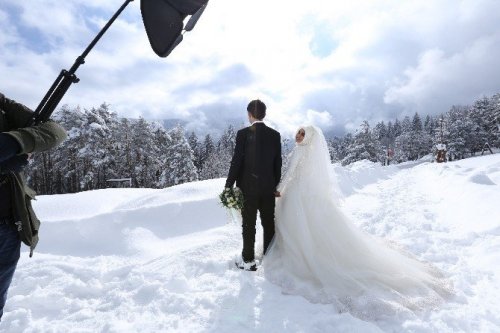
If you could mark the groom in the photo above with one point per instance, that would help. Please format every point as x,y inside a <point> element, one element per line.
<point>256,169</point>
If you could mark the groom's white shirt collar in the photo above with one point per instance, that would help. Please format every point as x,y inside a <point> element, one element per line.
<point>257,121</point>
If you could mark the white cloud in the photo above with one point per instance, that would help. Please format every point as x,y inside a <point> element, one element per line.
<point>351,60</point>
<point>322,119</point>
<point>440,79</point>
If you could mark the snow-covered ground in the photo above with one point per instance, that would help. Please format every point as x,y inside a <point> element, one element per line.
<point>142,260</point>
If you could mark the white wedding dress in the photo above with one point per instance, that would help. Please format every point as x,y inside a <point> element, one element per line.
<point>320,254</point>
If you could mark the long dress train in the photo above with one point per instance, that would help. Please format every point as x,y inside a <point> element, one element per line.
<point>320,254</point>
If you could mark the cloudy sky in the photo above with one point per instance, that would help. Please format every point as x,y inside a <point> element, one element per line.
<point>331,63</point>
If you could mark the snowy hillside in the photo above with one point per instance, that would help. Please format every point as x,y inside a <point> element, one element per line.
<point>142,260</point>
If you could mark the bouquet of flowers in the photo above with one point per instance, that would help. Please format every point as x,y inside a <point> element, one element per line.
<point>232,198</point>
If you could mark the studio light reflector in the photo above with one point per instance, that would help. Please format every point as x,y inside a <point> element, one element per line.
<point>163,20</point>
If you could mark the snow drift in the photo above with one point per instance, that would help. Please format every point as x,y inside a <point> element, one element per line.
<point>143,260</point>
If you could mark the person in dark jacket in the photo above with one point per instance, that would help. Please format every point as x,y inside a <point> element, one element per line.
<point>18,221</point>
<point>256,169</point>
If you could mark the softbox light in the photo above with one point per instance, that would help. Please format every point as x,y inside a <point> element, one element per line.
<point>188,7</point>
<point>163,20</point>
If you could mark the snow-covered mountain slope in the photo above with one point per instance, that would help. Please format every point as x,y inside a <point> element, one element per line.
<point>142,260</point>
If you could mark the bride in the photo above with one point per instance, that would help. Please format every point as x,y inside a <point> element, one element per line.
<point>320,254</point>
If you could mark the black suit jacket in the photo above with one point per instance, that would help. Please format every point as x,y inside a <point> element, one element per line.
<point>256,163</point>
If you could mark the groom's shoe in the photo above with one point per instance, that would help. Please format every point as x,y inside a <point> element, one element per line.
<point>247,266</point>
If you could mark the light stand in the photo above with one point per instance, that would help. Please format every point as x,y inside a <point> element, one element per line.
<point>163,20</point>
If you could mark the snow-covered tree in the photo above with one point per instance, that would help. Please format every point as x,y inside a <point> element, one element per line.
<point>197,148</point>
<point>429,125</point>
<point>397,129</point>
<point>478,115</point>
<point>147,159</point>
<point>101,146</point>
<point>458,126</point>
<point>218,161</point>
<point>494,123</point>
<point>364,146</point>
<point>416,124</point>
<point>178,165</point>
<point>492,120</point>
<point>339,147</point>
<point>403,148</point>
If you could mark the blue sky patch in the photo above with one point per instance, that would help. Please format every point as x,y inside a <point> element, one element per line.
<point>322,43</point>
<point>32,38</point>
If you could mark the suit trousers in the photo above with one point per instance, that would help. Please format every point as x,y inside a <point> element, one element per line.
<point>264,204</point>
<point>10,248</point>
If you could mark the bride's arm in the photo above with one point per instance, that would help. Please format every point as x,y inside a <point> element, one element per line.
<point>290,171</point>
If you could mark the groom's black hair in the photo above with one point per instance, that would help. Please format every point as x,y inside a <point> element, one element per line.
<point>257,109</point>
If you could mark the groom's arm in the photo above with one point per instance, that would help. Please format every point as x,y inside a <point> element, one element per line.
<point>237,161</point>
<point>277,162</point>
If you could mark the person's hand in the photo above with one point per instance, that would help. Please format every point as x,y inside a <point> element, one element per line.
<point>9,147</point>
<point>15,164</point>
<point>277,194</point>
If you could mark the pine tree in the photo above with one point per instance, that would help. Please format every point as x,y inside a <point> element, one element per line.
<point>365,146</point>
<point>428,125</point>
<point>420,142</point>
<point>380,133</point>
<point>494,120</point>
<point>123,149</point>
<point>333,148</point>
<point>215,167</point>
<point>98,151</point>
<point>478,116</point>
<point>218,161</point>
<point>347,141</point>
<point>398,130</point>
<point>207,149</point>
<point>406,125</point>
<point>459,143</point>
<point>197,149</point>
<point>390,135</point>
<point>147,159</point>
<point>402,148</point>
<point>179,167</point>
<point>227,141</point>
<point>416,124</point>
<point>163,142</point>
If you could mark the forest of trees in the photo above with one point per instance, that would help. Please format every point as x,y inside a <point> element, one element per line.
<point>465,130</point>
<point>103,147</point>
